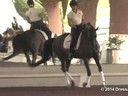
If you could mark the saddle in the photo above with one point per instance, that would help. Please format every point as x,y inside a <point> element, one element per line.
<point>43,33</point>
<point>67,42</point>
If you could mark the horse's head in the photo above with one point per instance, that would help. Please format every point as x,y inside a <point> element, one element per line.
<point>90,31</point>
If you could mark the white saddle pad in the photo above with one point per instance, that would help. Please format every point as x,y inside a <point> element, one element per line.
<point>43,33</point>
<point>67,42</point>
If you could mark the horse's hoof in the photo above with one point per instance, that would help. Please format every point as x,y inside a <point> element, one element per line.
<point>72,83</point>
<point>86,85</point>
<point>104,85</point>
<point>69,86</point>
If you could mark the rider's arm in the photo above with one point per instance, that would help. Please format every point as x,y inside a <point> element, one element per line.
<point>83,19</point>
<point>41,16</point>
<point>27,17</point>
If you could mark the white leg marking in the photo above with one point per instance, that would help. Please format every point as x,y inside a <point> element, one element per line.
<point>103,78</point>
<point>67,79</point>
<point>88,81</point>
<point>69,75</point>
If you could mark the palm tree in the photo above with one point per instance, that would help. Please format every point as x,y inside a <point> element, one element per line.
<point>21,7</point>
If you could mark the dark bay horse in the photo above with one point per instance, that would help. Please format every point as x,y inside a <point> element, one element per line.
<point>28,42</point>
<point>89,48</point>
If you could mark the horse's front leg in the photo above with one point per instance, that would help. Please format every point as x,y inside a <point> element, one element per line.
<point>87,83</point>
<point>96,58</point>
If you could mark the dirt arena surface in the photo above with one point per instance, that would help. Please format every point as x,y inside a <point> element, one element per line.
<point>117,90</point>
<point>65,91</point>
<point>13,64</point>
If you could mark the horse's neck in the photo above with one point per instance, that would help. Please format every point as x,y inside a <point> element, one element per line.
<point>85,40</point>
<point>84,36</point>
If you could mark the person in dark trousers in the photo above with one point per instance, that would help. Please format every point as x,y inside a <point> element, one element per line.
<point>34,17</point>
<point>75,21</point>
<point>15,24</point>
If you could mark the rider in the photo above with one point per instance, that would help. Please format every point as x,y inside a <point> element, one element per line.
<point>75,21</point>
<point>34,17</point>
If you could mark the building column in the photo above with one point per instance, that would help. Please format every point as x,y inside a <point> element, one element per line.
<point>89,8</point>
<point>118,16</point>
<point>54,17</point>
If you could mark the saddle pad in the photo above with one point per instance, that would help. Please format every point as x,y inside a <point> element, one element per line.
<point>43,33</point>
<point>67,42</point>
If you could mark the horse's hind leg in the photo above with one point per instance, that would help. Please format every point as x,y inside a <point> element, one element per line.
<point>65,68</point>
<point>27,57</point>
<point>54,58</point>
<point>34,57</point>
<point>96,58</point>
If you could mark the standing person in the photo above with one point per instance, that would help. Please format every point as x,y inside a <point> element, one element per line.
<point>34,17</point>
<point>5,42</point>
<point>15,24</point>
<point>75,21</point>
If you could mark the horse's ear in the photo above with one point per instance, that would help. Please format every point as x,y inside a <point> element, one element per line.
<point>96,28</point>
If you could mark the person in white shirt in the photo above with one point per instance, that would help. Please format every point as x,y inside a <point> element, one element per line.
<point>75,21</point>
<point>34,17</point>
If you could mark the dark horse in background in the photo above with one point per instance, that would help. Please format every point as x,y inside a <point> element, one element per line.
<point>28,42</point>
<point>89,48</point>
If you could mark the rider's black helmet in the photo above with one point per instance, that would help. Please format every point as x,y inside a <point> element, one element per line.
<point>73,3</point>
<point>30,2</point>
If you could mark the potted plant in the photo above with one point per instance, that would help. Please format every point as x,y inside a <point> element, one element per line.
<point>114,44</point>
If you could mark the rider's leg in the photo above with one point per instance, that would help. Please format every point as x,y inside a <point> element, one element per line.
<point>40,25</point>
<point>73,42</point>
<point>46,30</point>
<point>74,37</point>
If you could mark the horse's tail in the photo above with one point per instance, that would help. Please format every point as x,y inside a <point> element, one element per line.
<point>10,56</point>
<point>46,54</point>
